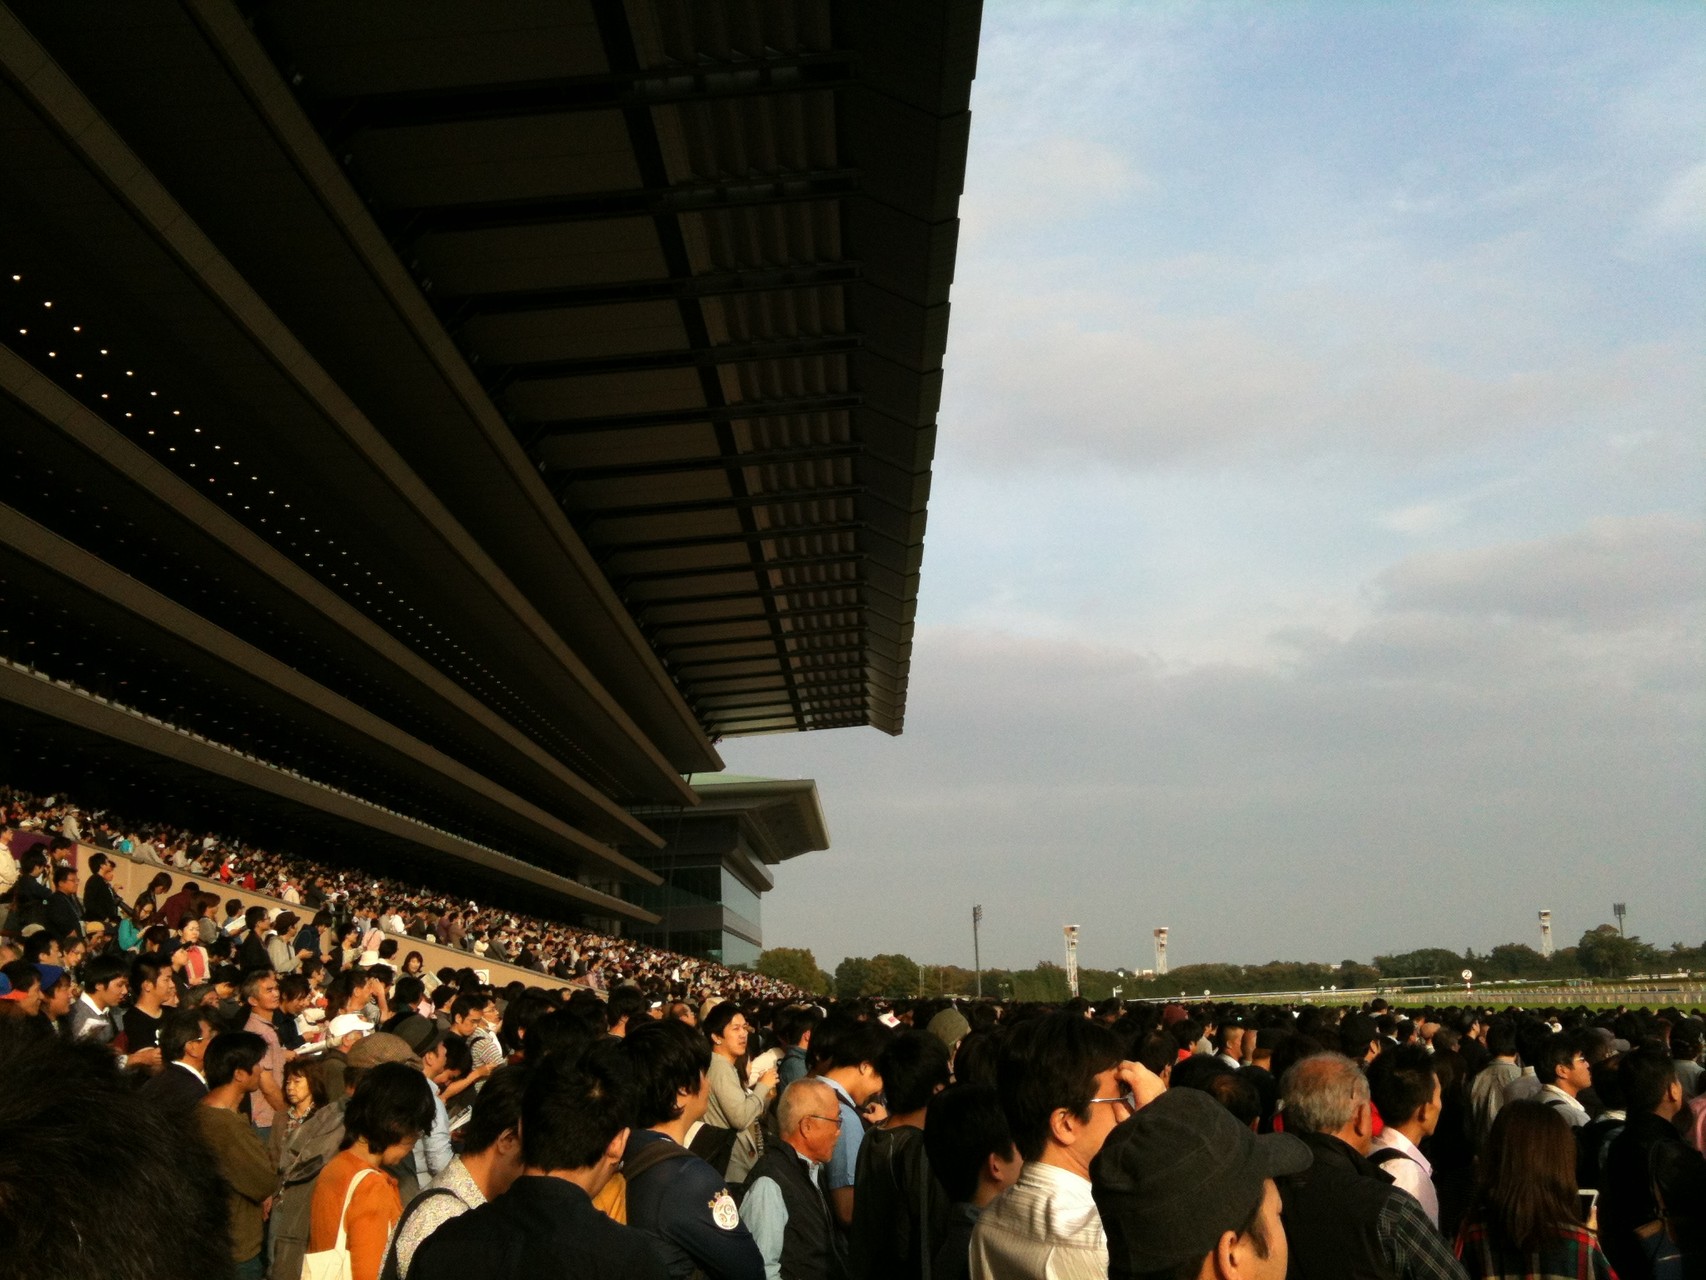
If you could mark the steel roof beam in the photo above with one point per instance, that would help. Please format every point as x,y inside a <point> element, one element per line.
<point>709,462</point>
<point>606,549</point>
<point>835,344</point>
<point>341,118</point>
<point>732,502</point>
<point>774,655</point>
<point>686,197</point>
<point>694,415</point>
<point>742,566</point>
<point>718,284</point>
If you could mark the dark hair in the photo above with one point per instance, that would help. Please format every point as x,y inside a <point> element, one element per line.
<point>146,968</point>
<point>1046,1064</point>
<point>22,975</point>
<point>496,1110</point>
<point>1527,1175</point>
<point>231,1052</point>
<point>313,1071</point>
<point>293,986</point>
<point>91,1188</point>
<point>626,1002</point>
<point>1646,1072</point>
<point>795,1021</point>
<point>562,1034</point>
<point>663,1058</point>
<point>407,993</point>
<point>62,874</point>
<point>974,1060</point>
<point>914,1067</point>
<point>1559,1051</point>
<point>465,1003</point>
<point>98,861</point>
<point>520,1014</point>
<point>964,1126</point>
<point>1501,1038</point>
<point>1401,1082</point>
<point>853,1044</point>
<point>571,1112</point>
<point>1355,1034</point>
<point>103,969</point>
<point>178,1027</point>
<point>392,1101</point>
<point>716,1022</point>
<point>414,955</point>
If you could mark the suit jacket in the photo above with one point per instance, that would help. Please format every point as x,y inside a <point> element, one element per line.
<point>176,1089</point>
<point>64,915</point>
<point>99,901</point>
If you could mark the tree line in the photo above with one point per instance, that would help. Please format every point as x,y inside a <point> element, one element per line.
<point>1600,953</point>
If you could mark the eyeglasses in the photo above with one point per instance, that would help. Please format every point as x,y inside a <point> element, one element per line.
<point>1125,1100</point>
<point>834,1120</point>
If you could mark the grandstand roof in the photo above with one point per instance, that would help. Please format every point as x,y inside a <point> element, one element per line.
<point>478,409</point>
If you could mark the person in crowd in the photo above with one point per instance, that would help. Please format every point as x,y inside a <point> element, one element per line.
<point>1532,1038</point>
<point>1564,1071</point>
<point>1064,1086</point>
<point>576,1119</point>
<point>185,1035</point>
<point>260,996</point>
<point>100,899</point>
<point>845,1058</point>
<point>679,1201</point>
<point>1487,1092</point>
<point>64,917</point>
<point>96,1016</point>
<point>191,962</point>
<point>1185,1191</point>
<point>1526,1220</point>
<point>58,993</point>
<point>1405,1088</point>
<point>304,1094</point>
<point>175,907</point>
<point>972,1155</point>
<point>900,1212</point>
<point>152,990</point>
<point>32,891</point>
<point>734,1107</point>
<point>490,1162</point>
<point>627,1007</point>
<point>785,1206</point>
<point>1343,1216</point>
<point>1685,1046</point>
<point>98,1181</point>
<point>794,1026</point>
<point>355,1203</point>
<point>1627,1200</point>
<point>233,1073</point>
<point>22,995</point>
<point>280,944</point>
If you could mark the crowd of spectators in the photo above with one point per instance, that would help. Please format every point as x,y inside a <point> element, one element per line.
<point>164,1114</point>
<point>351,899</point>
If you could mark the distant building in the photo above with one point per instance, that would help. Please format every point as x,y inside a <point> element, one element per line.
<point>715,861</point>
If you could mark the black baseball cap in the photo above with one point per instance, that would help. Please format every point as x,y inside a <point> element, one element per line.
<point>1170,1180</point>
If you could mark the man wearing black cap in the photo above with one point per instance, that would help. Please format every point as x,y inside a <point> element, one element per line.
<point>1185,1190</point>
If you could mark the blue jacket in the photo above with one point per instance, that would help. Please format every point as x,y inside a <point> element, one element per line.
<point>684,1207</point>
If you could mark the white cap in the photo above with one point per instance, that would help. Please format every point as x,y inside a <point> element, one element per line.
<point>345,1023</point>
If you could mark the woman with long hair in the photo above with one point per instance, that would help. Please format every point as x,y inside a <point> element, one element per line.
<point>153,896</point>
<point>1526,1221</point>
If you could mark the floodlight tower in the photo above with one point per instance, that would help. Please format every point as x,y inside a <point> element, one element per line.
<point>1071,932</point>
<point>1620,909</point>
<point>1546,934</point>
<point>1161,951</point>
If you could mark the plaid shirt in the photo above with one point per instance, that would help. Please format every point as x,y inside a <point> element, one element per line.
<point>1413,1246</point>
<point>1573,1254</point>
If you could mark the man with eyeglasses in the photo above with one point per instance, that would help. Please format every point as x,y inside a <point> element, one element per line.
<point>184,1036</point>
<point>786,1206</point>
<point>1064,1087</point>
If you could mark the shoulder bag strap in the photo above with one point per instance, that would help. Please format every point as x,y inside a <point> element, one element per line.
<point>343,1218</point>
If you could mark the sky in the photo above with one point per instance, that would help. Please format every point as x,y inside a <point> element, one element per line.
<point>1316,561</point>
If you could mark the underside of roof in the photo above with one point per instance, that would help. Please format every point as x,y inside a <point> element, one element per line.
<point>698,255</point>
<point>471,411</point>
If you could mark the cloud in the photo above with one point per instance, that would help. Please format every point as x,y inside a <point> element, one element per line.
<point>1416,781</point>
<point>1047,182</point>
<point>1680,210</point>
<point>1613,573</point>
